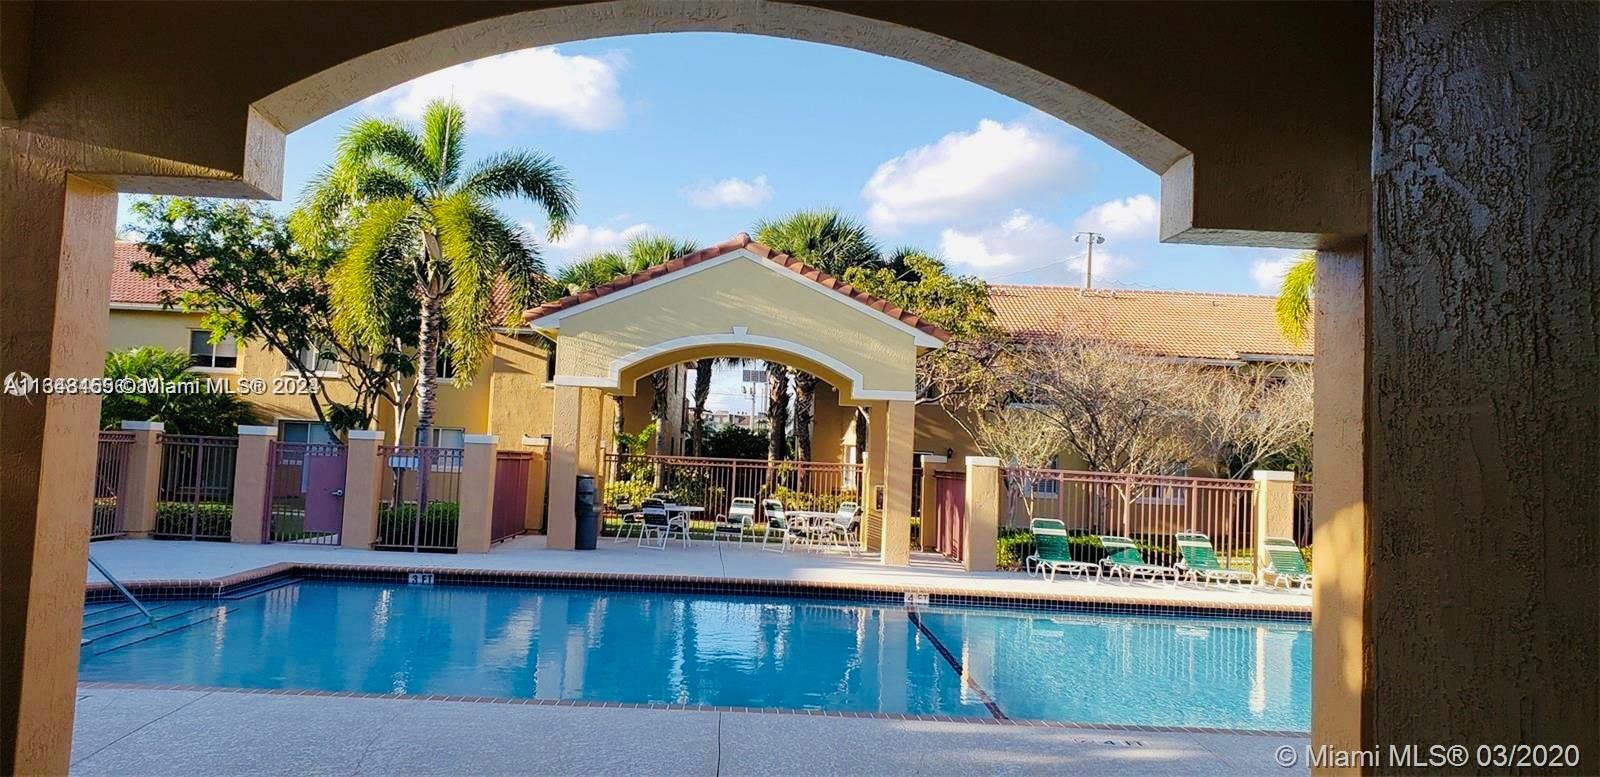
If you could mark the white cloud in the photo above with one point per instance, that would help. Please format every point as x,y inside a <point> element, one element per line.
<point>582,239</point>
<point>1268,271</point>
<point>1026,248</point>
<point>964,171</point>
<point>579,91</point>
<point>1130,217</point>
<point>731,193</point>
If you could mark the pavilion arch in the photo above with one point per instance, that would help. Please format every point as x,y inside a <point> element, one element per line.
<point>737,298</point>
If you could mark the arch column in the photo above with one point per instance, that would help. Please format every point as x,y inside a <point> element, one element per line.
<point>561,525</point>
<point>899,435</point>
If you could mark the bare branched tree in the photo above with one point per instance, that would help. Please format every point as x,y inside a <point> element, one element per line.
<point>1242,418</point>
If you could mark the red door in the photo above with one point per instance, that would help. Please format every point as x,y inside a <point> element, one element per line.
<point>324,489</point>
<point>950,492</point>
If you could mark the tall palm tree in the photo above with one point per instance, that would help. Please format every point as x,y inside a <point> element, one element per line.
<point>833,243</point>
<point>639,254</point>
<point>409,203</point>
<point>1293,308</point>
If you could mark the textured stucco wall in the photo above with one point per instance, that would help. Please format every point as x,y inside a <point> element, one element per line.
<point>1484,584</point>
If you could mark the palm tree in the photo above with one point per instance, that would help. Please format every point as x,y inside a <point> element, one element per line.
<point>1294,298</point>
<point>833,243</point>
<point>409,204</point>
<point>640,254</point>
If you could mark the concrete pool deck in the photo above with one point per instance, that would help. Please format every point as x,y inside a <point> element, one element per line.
<point>135,561</point>
<point>146,731</point>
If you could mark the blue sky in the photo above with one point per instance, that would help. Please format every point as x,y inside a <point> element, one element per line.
<point>700,135</point>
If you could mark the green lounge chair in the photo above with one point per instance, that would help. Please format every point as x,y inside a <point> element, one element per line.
<point>1053,552</point>
<point>1123,558</point>
<point>1200,564</point>
<point>1285,564</point>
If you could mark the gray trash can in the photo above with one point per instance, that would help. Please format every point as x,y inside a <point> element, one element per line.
<point>587,507</point>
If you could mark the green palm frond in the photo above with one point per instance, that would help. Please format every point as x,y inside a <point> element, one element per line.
<point>1293,308</point>
<point>825,239</point>
<point>370,139</point>
<point>356,279</point>
<point>444,132</point>
<point>646,251</point>
<point>532,176</point>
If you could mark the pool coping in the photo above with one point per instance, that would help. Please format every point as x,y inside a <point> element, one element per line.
<point>876,592</point>
<point>985,720</point>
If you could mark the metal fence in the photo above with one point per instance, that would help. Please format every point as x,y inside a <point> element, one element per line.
<point>419,498</point>
<point>1302,514</point>
<point>510,514</point>
<point>1150,509</point>
<point>110,478</point>
<point>714,483</point>
<point>305,492</point>
<point>195,497</point>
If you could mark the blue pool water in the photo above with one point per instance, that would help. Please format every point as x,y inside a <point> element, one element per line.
<point>738,651</point>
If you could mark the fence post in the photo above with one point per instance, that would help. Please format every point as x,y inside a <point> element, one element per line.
<point>476,493</point>
<point>1274,509</point>
<point>362,478</point>
<point>533,519</point>
<point>143,478</point>
<point>985,491</point>
<point>250,484</point>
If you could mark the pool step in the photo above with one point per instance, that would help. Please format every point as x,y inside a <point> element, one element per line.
<point>96,614</point>
<point>260,588</point>
<point>170,618</point>
<point>132,618</point>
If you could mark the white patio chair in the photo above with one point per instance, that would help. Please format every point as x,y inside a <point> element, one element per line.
<point>657,525</point>
<point>632,520</point>
<point>844,530</point>
<point>778,523</point>
<point>735,525</point>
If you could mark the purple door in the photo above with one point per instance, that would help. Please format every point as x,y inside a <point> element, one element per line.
<point>325,489</point>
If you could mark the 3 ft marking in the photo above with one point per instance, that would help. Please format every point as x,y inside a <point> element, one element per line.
<point>420,578</point>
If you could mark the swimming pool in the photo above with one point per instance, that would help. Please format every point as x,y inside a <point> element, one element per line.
<point>735,651</point>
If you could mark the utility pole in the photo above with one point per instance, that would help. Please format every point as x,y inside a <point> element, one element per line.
<point>1092,239</point>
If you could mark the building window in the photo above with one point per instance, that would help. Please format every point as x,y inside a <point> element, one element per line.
<point>223,354</point>
<point>305,431</point>
<point>444,368</point>
<point>315,360</point>
<point>445,437</point>
<point>1048,487</point>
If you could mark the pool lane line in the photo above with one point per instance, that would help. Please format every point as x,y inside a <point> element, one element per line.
<point>983,695</point>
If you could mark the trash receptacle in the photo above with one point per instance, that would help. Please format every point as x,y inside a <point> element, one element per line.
<point>587,507</point>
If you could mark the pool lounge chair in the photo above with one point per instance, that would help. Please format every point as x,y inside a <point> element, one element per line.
<point>736,524</point>
<point>1053,552</point>
<point>1285,564</point>
<point>1123,558</point>
<point>1199,563</point>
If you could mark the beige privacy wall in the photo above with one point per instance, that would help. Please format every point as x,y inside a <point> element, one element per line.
<point>733,304</point>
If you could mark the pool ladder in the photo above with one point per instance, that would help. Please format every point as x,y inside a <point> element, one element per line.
<point>122,589</point>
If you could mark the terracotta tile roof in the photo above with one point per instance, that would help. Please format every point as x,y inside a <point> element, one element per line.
<point>131,288</point>
<point>1169,323</point>
<point>739,241</point>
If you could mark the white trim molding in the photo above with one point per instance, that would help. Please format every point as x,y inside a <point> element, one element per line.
<point>258,431</point>
<point>553,320</point>
<point>364,434</point>
<point>144,426</point>
<point>738,336</point>
<point>1271,474</point>
<point>479,439</point>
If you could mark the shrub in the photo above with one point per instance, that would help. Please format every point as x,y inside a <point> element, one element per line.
<point>397,524</point>
<point>207,519</point>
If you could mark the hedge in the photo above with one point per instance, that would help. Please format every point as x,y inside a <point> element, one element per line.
<point>440,524</point>
<point>210,519</point>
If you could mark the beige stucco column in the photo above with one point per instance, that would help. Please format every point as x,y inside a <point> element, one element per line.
<point>477,493</point>
<point>591,436</point>
<point>362,478</point>
<point>1274,509</point>
<point>900,436</point>
<point>538,476</point>
<point>142,481</point>
<point>985,496</point>
<point>561,523</point>
<point>251,471</point>
<point>877,455</point>
<point>1339,502</point>
<point>56,238</point>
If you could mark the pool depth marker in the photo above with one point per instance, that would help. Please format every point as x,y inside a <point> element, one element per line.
<point>955,663</point>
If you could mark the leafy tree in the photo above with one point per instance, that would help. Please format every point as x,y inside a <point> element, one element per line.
<point>190,408</point>
<point>922,284</point>
<point>401,201</point>
<point>727,441</point>
<point>240,266</point>
<point>1294,298</point>
<point>835,244</point>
